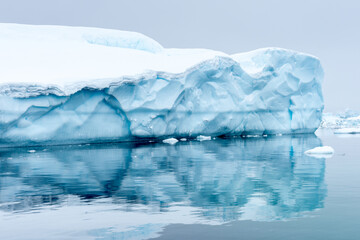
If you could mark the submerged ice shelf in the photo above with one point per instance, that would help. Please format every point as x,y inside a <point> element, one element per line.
<point>70,85</point>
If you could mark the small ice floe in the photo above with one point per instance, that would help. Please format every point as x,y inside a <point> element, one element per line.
<point>203,138</point>
<point>31,151</point>
<point>347,131</point>
<point>251,136</point>
<point>183,139</point>
<point>171,141</point>
<point>321,152</point>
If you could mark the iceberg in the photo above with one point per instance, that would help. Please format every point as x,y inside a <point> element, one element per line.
<point>63,85</point>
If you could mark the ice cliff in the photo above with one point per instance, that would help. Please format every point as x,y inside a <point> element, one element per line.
<point>68,85</point>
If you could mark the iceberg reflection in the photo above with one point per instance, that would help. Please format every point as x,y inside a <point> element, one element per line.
<point>224,180</point>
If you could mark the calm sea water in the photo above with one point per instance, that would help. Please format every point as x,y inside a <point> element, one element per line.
<point>254,188</point>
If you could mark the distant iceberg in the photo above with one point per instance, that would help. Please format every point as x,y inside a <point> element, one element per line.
<point>342,123</point>
<point>74,85</point>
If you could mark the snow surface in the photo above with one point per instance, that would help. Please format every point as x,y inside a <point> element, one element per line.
<point>67,59</point>
<point>73,84</point>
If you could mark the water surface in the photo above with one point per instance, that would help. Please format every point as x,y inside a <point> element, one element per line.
<point>253,188</point>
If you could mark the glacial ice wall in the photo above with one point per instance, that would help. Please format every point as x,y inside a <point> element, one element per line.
<point>167,92</point>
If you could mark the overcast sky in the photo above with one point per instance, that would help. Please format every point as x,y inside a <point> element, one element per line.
<point>328,29</point>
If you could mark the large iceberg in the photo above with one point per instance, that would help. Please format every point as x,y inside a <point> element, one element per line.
<point>74,85</point>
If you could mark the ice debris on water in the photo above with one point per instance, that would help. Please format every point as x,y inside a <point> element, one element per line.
<point>347,130</point>
<point>203,138</point>
<point>171,141</point>
<point>321,152</point>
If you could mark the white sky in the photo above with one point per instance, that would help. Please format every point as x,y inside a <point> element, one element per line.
<point>329,29</point>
